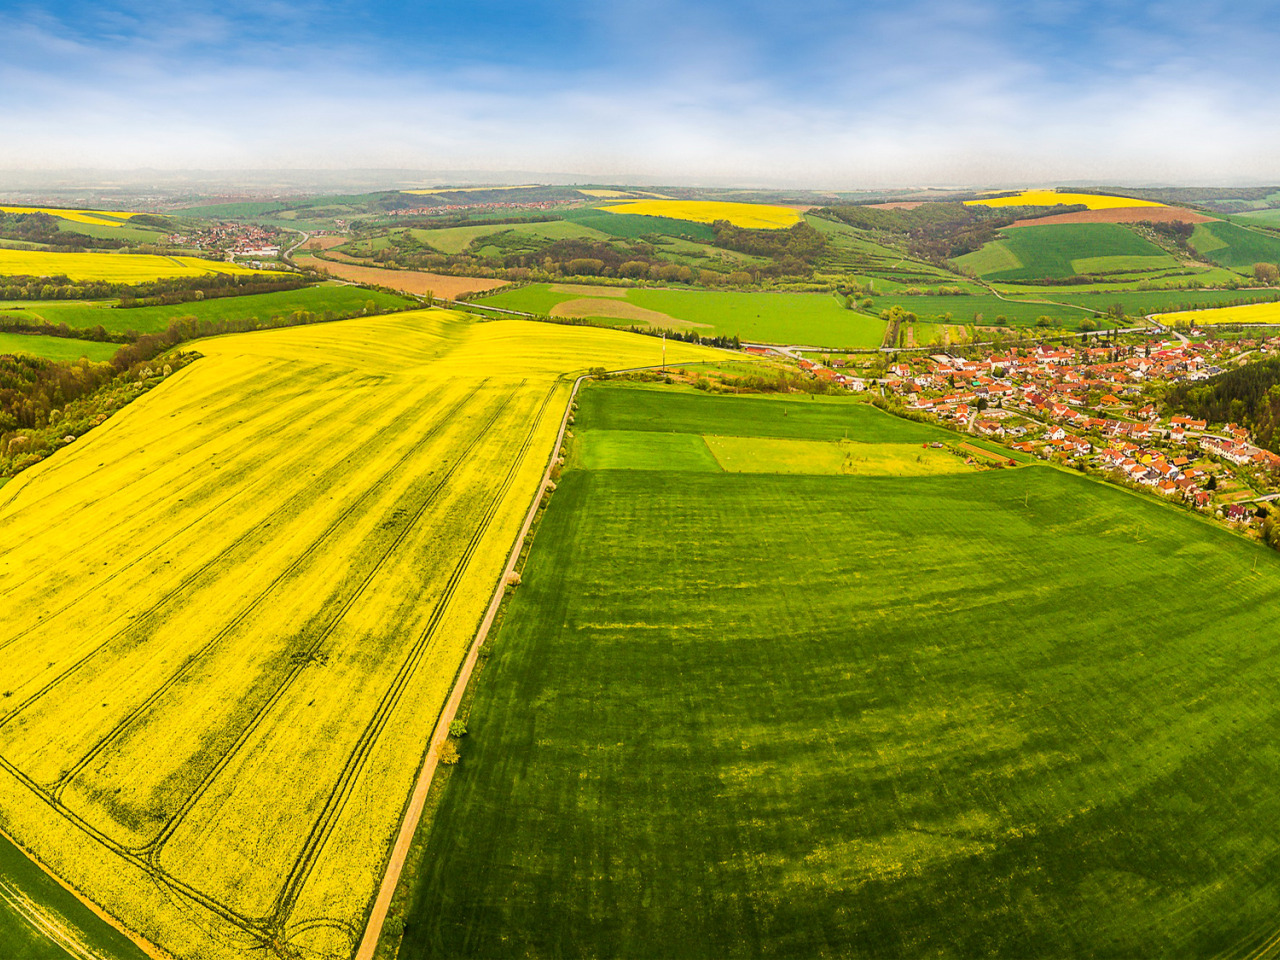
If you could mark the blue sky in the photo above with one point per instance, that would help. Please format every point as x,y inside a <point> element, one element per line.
<point>810,92</point>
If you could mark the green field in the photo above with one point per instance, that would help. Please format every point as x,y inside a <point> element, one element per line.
<point>1011,713</point>
<point>1065,250</point>
<point>1234,246</point>
<point>341,299</point>
<point>1270,218</point>
<point>457,239</point>
<point>55,348</point>
<point>39,920</point>
<point>1071,306</point>
<point>122,231</point>
<point>809,318</point>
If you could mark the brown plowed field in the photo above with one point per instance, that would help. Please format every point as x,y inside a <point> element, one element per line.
<point>1121,215</point>
<point>898,204</point>
<point>411,281</point>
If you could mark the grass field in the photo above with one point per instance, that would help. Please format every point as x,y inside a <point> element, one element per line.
<point>456,239</point>
<point>1269,218</point>
<point>340,299</point>
<point>1234,246</point>
<point>1049,198</point>
<point>1065,250</point>
<point>1253,313</point>
<point>808,318</point>
<point>271,564</point>
<point>754,216</point>
<point>95,217</point>
<point>109,267</point>
<point>56,348</point>
<point>1010,713</point>
<point>39,920</point>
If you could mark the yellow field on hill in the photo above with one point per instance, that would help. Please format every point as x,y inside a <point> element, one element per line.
<point>100,217</point>
<point>108,267</point>
<point>754,216</point>
<point>1048,198</point>
<point>427,193</point>
<point>234,612</point>
<point>1250,313</point>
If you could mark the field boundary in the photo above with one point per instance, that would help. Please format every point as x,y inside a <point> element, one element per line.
<point>418,799</point>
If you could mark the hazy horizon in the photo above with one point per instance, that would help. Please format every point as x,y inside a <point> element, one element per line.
<point>825,95</point>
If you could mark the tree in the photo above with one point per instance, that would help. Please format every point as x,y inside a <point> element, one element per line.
<point>1266,272</point>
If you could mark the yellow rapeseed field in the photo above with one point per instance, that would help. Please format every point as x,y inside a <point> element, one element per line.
<point>108,267</point>
<point>426,193</point>
<point>1249,313</point>
<point>1048,198</point>
<point>233,613</point>
<point>98,217</point>
<point>755,216</point>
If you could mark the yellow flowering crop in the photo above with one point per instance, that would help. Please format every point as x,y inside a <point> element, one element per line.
<point>233,613</point>
<point>1048,198</point>
<point>1248,313</point>
<point>755,216</point>
<point>98,217</point>
<point>108,267</point>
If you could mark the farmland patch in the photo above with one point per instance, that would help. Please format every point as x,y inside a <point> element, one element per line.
<point>271,564</point>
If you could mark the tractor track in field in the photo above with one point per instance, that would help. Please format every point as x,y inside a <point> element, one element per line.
<point>146,857</point>
<point>192,443</point>
<point>242,467</point>
<point>299,499</point>
<point>342,789</point>
<point>150,852</point>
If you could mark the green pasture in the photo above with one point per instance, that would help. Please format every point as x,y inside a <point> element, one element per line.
<point>660,409</point>
<point>122,231</point>
<point>55,348</point>
<point>1269,217</point>
<point>1006,713</point>
<point>39,920</point>
<point>1067,308</point>
<point>847,458</point>
<point>340,299</point>
<point>815,319</point>
<point>1065,250</point>
<point>456,239</point>
<point>1234,246</point>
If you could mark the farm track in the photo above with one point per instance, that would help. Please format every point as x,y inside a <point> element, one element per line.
<point>341,792</point>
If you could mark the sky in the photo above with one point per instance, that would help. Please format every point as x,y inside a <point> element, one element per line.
<point>806,93</point>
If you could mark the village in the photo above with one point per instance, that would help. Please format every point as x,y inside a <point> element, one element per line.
<point>1094,408</point>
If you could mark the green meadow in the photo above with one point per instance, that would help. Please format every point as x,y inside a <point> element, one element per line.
<point>1006,713</point>
<point>84,315</point>
<point>55,348</point>
<point>1234,246</point>
<point>1065,250</point>
<point>805,318</point>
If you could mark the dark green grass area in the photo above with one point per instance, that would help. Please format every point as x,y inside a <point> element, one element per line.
<point>1064,250</point>
<point>1012,713</point>
<point>666,410</point>
<point>1234,246</point>
<point>24,886</point>
<point>121,231</point>
<point>231,210</point>
<point>632,226</point>
<point>55,348</point>
<point>341,300</point>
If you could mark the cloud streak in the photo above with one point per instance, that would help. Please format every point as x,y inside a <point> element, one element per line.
<point>884,94</point>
